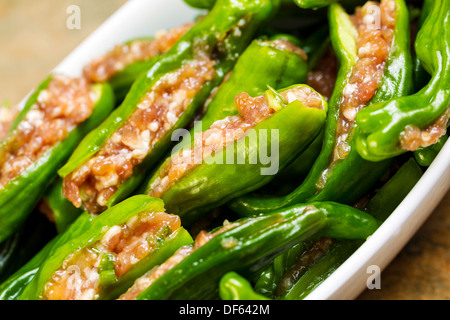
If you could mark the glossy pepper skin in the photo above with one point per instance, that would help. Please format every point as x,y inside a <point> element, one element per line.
<point>252,244</point>
<point>62,210</point>
<point>289,178</point>
<point>17,284</point>
<point>117,215</point>
<point>304,4</point>
<point>352,177</point>
<point>268,281</point>
<point>315,4</point>
<point>201,4</point>
<point>426,156</point>
<point>208,4</point>
<point>321,269</point>
<point>14,286</point>
<point>421,76</point>
<point>382,125</point>
<point>215,30</point>
<point>213,183</point>
<point>7,250</point>
<point>234,287</point>
<point>391,194</point>
<point>21,194</point>
<point>382,204</point>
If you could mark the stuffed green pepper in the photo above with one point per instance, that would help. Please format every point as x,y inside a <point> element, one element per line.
<point>375,64</point>
<point>241,153</point>
<point>111,162</point>
<point>119,245</point>
<point>57,115</point>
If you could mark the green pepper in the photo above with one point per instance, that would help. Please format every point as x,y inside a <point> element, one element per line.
<point>421,76</point>
<point>14,286</point>
<point>208,4</point>
<point>61,210</point>
<point>268,282</point>
<point>264,63</point>
<point>234,287</point>
<point>201,4</point>
<point>291,176</point>
<point>288,179</point>
<point>214,180</point>
<point>17,284</point>
<point>315,4</point>
<point>387,199</point>
<point>20,195</point>
<point>7,250</point>
<point>96,241</point>
<point>219,38</point>
<point>305,4</point>
<point>106,272</point>
<point>247,246</point>
<point>315,45</point>
<point>391,128</point>
<point>426,156</point>
<point>345,179</point>
<point>321,269</point>
<point>302,263</point>
<point>382,204</point>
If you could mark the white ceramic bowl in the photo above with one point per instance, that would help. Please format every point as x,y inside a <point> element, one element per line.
<point>143,17</point>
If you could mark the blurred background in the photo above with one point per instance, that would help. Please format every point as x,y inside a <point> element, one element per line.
<point>35,38</point>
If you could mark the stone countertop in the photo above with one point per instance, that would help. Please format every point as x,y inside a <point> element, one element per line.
<point>35,39</point>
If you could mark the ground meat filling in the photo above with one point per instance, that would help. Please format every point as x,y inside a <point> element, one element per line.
<point>375,24</point>
<point>79,276</point>
<point>414,138</point>
<point>223,132</point>
<point>7,116</point>
<point>59,108</point>
<point>98,179</point>
<point>146,280</point>
<point>106,66</point>
<point>281,44</point>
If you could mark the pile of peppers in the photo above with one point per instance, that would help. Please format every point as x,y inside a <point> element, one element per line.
<point>216,229</point>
